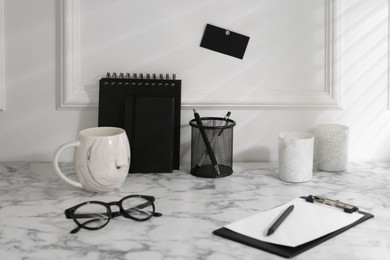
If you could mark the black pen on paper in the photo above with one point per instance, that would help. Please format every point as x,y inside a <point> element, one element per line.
<point>280,220</point>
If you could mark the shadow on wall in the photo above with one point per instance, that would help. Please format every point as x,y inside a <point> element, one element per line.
<point>254,154</point>
<point>365,79</point>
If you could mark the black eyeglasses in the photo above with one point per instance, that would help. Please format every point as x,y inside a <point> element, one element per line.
<point>94,215</point>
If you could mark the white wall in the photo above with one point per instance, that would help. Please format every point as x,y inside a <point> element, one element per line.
<point>31,127</point>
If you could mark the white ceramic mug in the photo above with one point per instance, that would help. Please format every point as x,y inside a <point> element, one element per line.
<point>331,147</point>
<point>102,159</point>
<point>296,156</point>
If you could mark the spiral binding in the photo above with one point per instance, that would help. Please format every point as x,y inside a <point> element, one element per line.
<point>139,79</point>
<point>140,76</point>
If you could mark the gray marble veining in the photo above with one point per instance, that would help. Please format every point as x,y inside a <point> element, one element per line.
<point>33,226</point>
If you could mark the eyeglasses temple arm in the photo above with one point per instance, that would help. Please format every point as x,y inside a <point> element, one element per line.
<point>89,215</point>
<point>77,229</point>
<point>113,214</point>
<point>68,213</point>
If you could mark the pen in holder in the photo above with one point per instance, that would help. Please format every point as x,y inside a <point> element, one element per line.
<point>213,133</point>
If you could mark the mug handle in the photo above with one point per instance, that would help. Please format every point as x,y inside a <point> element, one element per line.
<point>56,166</point>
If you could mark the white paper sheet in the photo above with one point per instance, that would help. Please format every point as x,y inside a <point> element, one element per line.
<point>306,222</point>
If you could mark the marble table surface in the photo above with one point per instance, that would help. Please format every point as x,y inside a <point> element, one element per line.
<point>33,226</point>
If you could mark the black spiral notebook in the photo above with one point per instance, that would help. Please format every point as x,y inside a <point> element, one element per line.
<point>148,108</point>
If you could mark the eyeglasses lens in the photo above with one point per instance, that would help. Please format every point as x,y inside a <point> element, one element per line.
<point>137,207</point>
<point>92,215</point>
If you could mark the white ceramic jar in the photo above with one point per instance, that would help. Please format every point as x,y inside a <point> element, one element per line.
<point>331,147</point>
<point>296,156</point>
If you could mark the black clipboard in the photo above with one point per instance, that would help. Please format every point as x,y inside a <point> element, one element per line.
<point>286,251</point>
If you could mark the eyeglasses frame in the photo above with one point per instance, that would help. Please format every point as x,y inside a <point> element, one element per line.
<point>69,213</point>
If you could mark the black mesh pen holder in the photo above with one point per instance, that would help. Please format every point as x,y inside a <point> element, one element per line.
<point>219,133</point>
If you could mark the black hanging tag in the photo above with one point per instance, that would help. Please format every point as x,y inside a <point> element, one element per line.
<point>224,41</point>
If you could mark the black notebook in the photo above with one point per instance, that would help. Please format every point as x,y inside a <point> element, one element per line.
<point>148,108</point>
<point>291,251</point>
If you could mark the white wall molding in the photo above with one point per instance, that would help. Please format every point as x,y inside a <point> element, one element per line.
<point>74,95</point>
<point>2,58</point>
<point>388,57</point>
<point>71,97</point>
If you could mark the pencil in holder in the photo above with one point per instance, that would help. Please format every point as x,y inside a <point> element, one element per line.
<point>219,133</point>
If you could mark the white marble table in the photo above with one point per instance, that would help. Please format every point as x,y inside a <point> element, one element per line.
<point>33,225</point>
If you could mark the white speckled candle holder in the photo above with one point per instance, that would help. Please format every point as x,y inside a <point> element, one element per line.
<point>296,156</point>
<point>331,147</point>
<point>102,159</point>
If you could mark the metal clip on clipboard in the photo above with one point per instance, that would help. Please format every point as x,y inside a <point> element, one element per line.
<point>334,203</point>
